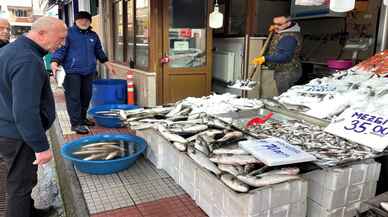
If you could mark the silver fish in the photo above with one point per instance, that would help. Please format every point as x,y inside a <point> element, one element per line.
<point>112,155</point>
<point>234,159</point>
<point>175,110</point>
<point>180,146</point>
<point>170,136</point>
<point>233,183</point>
<point>266,180</point>
<point>191,129</point>
<point>203,161</point>
<point>96,156</point>
<point>97,144</point>
<point>232,169</point>
<point>231,135</point>
<point>282,171</point>
<point>235,151</point>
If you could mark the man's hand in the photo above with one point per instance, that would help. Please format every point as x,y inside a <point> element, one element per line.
<point>54,68</point>
<point>110,68</point>
<point>42,157</point>
<point>272,28</point>
<point>259,60</point>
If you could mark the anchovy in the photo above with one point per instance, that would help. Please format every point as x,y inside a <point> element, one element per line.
<point>203,161</point>
<point>266,180</point>
<point>233,183</point>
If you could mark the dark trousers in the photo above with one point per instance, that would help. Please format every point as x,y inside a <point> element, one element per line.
<point>78,92</point>
<point>21,176</point>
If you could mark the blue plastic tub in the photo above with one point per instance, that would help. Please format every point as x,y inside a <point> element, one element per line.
<point>107,121</point>
<point>109,91</point>
<point>103,166</point>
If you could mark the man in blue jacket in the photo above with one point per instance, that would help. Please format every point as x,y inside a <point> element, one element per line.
<point>27,110</point>
<point>283,54</point>
<point>78,58</point>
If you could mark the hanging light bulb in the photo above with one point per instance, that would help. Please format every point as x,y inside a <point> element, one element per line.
<point>342,5</point>
<point>216,18</point>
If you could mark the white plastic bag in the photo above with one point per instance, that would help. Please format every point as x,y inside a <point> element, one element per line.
<point>60,76</point>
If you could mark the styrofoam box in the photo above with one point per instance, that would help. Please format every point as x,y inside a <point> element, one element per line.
<point>170,160</point>
<point>341,197</point>
<point>187,174</point>
<point>337,178</point>
<point>155,146</point>
<point>212,194</point>
<point>315,210</point>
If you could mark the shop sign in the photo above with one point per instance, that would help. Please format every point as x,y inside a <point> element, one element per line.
<point>275,151</point>
<point>185,33</point>
<point>364,128</point>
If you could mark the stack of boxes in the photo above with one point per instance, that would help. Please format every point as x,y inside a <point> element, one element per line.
<point>214,197</point>
<point>338,192</point>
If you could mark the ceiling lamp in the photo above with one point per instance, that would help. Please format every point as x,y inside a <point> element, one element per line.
<point>342,5</point>
<point>216,18</point>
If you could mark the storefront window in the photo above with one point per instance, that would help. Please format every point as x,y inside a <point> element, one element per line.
<point>130,32</point>
<point>118,43</point>
<point>187,33</point>
<point>142,36</point>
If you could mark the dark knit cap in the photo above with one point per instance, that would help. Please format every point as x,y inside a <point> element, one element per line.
<point>83,15</point>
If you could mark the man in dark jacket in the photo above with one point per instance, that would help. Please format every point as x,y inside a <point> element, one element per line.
<point>283,53</point>
<point>78,58</point>
<point>4,32</point>
<point>27,110</point>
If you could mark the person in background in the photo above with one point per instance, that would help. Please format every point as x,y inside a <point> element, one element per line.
<point>283,53</point>
<point>78,58</point>
<point>4,32</point>
<point>27,110</point>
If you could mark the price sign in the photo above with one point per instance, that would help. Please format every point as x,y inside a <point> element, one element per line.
<point>275,151</point>
<point>318,89</point>
<point>361,127</point>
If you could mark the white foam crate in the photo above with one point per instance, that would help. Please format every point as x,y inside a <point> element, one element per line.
<point>187,174</point>
<point>337,178</point>
<point>155,146</point>
<point>170,160</point>
<point>210,189</point>
<point>331,200</point>
<point>315,210</point>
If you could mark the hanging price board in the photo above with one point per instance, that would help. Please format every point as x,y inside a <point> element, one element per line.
<point>364,128</point>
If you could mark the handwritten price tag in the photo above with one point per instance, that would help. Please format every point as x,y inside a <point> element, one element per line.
<point>318,89</point>
<point>366,129</point>
<point>275,151</point>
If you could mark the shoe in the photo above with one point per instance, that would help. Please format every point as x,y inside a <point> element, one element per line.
<point>43,212</point>
<point>80,129</point>
<point>89,123</point>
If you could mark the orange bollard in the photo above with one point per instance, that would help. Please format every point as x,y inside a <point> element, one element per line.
<point>130,87</point>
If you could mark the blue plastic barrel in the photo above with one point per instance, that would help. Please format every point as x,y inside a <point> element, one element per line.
<point>109,91</point>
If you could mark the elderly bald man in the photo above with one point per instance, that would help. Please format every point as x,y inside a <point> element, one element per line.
<point>27,110</point>
<point>4,32</point>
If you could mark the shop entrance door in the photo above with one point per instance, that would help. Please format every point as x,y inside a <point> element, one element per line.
<point>186,48</point>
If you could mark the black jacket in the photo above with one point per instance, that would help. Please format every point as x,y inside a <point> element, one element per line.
<point>26,100</point>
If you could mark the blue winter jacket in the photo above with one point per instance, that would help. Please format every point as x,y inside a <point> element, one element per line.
<point>80,52</point>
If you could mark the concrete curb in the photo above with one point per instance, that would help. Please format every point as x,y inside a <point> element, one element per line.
<point>69,186</point>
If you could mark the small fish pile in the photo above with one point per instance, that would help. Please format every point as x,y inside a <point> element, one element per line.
<point>330,150</point>
<point>105,150</point>
<point>328,97</point>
